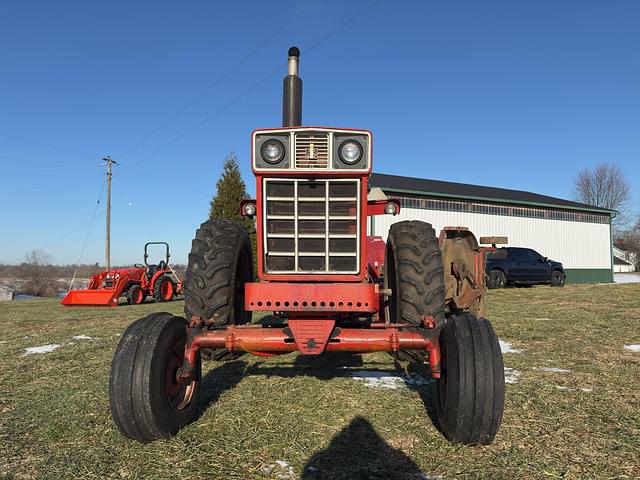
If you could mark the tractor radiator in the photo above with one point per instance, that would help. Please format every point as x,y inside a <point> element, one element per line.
<point>311,226</point>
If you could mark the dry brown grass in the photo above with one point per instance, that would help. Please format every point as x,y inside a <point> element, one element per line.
<point>55,422</point>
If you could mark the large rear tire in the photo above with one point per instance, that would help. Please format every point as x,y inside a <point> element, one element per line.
<point>471,385</point>
<point>220,263</point>
<point>414,274</point>
<point>147,402</point>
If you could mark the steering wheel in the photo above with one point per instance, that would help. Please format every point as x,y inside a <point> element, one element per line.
<point>138,265</point>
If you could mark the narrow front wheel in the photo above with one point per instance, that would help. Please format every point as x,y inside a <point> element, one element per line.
<point>147,401</point>
<point>471,385</point>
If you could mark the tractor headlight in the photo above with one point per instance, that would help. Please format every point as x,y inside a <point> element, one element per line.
<point>272,151</point>
<point>350,152</point>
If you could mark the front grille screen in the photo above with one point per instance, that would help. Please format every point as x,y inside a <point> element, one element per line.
<point>312,150</point>
<point>312,226</point>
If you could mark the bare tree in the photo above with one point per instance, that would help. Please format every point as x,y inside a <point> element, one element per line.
<point>605,186</point>
<point>629,240</point>
<point>37,258</point>
<point>38,275</point>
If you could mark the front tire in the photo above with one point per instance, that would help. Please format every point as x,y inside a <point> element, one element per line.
<point>147,402</point>
<point>557,278</point>
<point>497,279</point>
<point>414,274</point>
<point>471,385</point>
<point>135,295</point>
<point>220,264</point>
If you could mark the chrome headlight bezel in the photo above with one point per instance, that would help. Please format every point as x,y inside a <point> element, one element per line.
<point>272,142</point>
<point>344,155</point>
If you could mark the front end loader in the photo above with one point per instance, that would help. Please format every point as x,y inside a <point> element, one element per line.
<point>135,284</point>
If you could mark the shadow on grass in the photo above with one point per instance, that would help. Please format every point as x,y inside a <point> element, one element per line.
<point>218,381</point>
<point>359,452</point>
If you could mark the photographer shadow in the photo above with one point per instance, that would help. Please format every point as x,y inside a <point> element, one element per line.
<point>359,452</point>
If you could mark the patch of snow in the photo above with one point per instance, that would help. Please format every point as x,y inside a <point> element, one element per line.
<point>281,469</point>
<point>626,277</point>
<point>378,379</point>
<point>82,337</point>
<point>555,370</point>
<point>570,389</point>
<point>388,379</point>
<point>506,347</point>
<point>511,375</point>
<point>416,380</point>
<point>41,349</point>
<point>632,348</point>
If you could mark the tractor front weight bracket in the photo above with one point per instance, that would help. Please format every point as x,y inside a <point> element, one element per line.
<point>309,336</point>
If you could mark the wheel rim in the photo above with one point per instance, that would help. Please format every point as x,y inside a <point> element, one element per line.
<point>137,298</point>
<point>179,394</point>
<point>166,290</point>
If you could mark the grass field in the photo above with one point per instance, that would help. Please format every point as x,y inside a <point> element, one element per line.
<point>300,417</point>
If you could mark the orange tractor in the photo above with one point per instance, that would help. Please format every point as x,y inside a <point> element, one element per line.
<point>329,286</point>
<point>135,284</point>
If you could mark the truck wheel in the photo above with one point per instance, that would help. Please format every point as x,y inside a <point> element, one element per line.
<point>135,295</point>
<point>414,274</point>
<point>497,279</point>
<point>163,289</point>
<point>557,278</point>
<point>147,402</point>
<point>220,263</point>
<point>471,385</point>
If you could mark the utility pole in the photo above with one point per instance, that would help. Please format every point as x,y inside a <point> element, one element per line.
<point>107,256</point>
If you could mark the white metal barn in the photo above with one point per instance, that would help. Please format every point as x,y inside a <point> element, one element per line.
<point>575,234</point>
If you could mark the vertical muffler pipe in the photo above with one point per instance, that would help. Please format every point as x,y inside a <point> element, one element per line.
<point>292,94</point>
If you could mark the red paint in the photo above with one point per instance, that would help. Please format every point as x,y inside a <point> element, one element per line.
<point>311,297</point>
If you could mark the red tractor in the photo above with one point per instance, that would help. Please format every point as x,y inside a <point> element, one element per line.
<point>330,286</point>
<point>135,284</point>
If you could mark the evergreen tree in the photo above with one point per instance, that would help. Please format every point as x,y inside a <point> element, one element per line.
<point>230,190</point>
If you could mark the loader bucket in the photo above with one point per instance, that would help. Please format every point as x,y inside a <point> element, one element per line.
<point>91,297</point>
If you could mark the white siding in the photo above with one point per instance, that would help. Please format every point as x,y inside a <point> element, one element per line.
<point>575,244</point>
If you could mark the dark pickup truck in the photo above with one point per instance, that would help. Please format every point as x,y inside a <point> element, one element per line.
<point>522,266</point>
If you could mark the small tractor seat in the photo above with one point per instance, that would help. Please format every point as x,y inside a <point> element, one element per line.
<point>151,270</point>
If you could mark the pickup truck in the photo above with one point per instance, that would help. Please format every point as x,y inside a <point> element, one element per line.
<point>522,266</point>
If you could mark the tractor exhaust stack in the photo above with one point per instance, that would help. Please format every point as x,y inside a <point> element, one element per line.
<point>292,94</point>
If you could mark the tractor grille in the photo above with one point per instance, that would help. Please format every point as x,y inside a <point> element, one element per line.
<point>312,226</point>
<point>312,150</point>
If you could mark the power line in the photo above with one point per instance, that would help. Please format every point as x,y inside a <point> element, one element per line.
<point>205,119</point>
<point>73,231</point>
<point>250,89</point>
<point>210,87</point>
<point>95,213</point>
<point>49,145</point>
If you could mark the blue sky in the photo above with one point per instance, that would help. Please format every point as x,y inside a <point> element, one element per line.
<point>512,94</point>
